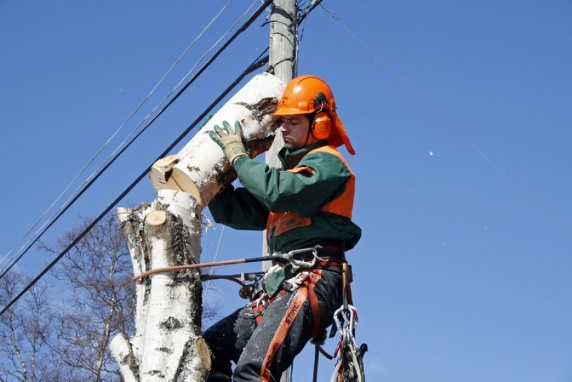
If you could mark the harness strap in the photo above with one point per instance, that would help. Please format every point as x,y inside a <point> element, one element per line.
<point>280,334</point>
<point>259,305</point>
<point>330,258</point>
<point>314,303</point>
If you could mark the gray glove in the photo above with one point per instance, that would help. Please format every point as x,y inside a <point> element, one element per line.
<point>229,141</point>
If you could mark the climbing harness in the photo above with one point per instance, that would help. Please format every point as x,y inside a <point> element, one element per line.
<point>301,272</point>
<point>296,269</point>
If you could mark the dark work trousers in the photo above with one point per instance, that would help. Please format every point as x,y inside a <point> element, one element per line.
<point>263,352</point>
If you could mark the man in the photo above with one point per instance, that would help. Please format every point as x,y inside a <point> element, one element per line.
<point>305,208</point>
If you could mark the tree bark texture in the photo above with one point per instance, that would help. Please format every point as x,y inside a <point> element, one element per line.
<point>200,168</point>
<point>167,345</point>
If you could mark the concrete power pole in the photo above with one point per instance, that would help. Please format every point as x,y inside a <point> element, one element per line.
<point>283,59</point>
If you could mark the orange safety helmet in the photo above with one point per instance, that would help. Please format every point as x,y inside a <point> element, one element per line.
<point>310,94</point>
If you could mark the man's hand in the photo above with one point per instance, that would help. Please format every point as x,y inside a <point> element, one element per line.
<point>229,141</point>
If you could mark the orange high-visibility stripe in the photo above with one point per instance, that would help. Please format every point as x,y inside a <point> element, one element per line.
<point>281,222</point>
<point>286,221</point>
<point>343,204</point>
<point>314,277</point>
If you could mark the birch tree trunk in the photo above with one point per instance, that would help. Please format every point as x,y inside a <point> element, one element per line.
<point>167,345</point>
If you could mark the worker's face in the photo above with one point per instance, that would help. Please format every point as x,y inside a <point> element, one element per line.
<point>295,131</point>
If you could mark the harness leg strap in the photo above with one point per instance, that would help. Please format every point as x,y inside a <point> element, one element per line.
<point>310,283</point>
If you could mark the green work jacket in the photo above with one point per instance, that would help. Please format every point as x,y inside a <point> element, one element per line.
<point>322,178</point>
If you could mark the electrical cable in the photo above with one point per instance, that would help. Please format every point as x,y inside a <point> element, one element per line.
<point>179,93</point>
<point>453,128</point>
<point>259,62</point>
<point>98,152</point>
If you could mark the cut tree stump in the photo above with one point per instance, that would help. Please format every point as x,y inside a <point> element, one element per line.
<point>167,343</point>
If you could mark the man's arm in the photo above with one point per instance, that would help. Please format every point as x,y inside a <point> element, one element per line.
<point>238,209</point>
<point>318,178</point>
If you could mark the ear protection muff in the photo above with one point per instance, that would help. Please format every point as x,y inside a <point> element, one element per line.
<point>322,125</point>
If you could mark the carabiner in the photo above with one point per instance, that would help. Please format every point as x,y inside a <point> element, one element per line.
<point>300,263</point>
<point>349,316</point>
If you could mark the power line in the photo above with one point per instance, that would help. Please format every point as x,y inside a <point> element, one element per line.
<point>259,62</point>
<point>112,160</point>
<point>111,138</point>
<point>255,65</point>
<point>452,127</point>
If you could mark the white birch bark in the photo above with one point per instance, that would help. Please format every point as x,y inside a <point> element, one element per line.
<point>167,345</point>
<point>200,168</point>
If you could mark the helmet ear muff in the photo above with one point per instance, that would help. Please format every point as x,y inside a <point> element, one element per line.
<point>322,125</point>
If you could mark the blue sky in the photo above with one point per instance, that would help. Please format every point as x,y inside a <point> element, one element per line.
<point>460,114</point>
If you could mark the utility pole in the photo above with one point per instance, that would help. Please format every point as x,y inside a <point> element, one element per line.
<point>283,59</point>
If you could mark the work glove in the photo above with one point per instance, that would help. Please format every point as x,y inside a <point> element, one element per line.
<point>229,141</point>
